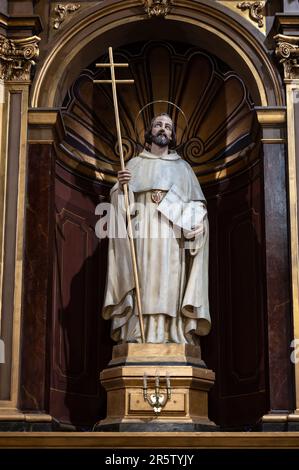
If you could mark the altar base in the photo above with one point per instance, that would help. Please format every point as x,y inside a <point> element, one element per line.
<point>137,371</point>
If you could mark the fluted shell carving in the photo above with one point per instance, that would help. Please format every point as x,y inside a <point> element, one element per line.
<point>219,139</point>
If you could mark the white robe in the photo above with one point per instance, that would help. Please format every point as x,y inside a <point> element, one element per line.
<point>173,272</point>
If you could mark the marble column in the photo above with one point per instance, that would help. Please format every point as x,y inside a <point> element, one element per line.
<point>278,284</point>
<point>44,127</point>
<point>16,61</point>
<point>287,50</point>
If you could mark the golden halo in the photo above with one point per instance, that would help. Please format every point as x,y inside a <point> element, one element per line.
<point>152,103</point>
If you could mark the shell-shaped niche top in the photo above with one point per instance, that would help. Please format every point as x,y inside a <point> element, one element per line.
<point>219,140</point>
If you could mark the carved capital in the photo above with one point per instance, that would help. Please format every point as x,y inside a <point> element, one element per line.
<point>287,50</point>
<point>17,57</point>
<point>157,7</point>
<point>256,10</point>
<point>61,12</point>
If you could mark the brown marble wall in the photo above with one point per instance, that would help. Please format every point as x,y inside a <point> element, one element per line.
<point>24,7</point>
<point>278,279</point>
<point>35,355</point>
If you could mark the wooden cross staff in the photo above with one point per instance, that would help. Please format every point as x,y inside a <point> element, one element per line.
<point>113,81</point>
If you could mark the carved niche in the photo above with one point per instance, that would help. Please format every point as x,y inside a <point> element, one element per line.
<point>219,139</point>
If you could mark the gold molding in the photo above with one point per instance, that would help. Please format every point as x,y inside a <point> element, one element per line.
<point>3,173</point>
<point>293,417</point>
<point>157,7</point>
<point>280,418</point>
<point>45,126</point>
<point>43,118</point>
<point>273,141</point>
<point>269,117</point>
<point>19,255</point>
<point>275,418</point>
<point>21,88</point>
<point>16,415</point>
<point>62,11</point>
<point>150,440</point>
<point>287,50</point>
<point>256,11</point>
<point>293,208</point>
<point>17,57</point>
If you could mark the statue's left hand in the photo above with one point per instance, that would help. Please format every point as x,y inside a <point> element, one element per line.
<point>124,177</point>
<point>194,233</point>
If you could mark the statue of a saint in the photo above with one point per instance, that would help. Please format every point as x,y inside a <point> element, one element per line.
<point>171,239</point>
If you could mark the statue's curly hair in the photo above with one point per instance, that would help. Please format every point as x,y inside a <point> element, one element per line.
<point>148,133</point>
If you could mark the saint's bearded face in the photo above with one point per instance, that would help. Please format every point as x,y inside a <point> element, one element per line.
<point>162,131</point>
<point>161,140</point>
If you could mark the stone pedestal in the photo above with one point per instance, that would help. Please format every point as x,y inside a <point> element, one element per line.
<point>139,368</point>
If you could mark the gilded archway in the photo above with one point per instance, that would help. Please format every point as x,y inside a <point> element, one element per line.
<point>219,141</point>
<point>212,27</point>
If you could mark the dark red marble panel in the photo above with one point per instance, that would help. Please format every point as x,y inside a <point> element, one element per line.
<point>236,347</point>
<point>81,345</point>
<point>278,279</point>
<point>37,278</point>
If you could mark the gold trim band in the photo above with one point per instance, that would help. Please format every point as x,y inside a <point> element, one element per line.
<point>274,141</point>
<point>271,117</point>
<point>150,440</point>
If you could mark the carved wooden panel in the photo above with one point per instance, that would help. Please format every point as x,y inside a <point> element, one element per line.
<point>236,347</point>
<point>78,352</point>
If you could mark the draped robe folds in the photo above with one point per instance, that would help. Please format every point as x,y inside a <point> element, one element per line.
<point>173,271</point>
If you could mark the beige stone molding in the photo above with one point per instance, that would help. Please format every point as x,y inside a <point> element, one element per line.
<point>17,415</point>
<point>151,440</point>
<point>20,22</point>
<point>256,11</point>
<point>17,57</point>
<point>287,50</point>
<point>157,7</point>
<point>62,11</point>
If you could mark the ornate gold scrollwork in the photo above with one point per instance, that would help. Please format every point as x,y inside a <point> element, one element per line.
<point>62,11</point>
<point>157,7</point>
<point>287,49</point>
<point>17,56</point>
<point>255,11</point>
